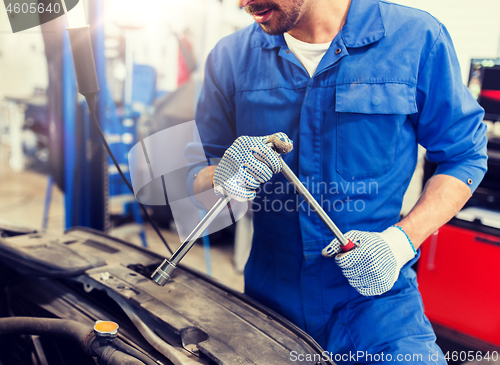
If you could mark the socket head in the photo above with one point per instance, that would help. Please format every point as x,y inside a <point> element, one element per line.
<point>162,274</point>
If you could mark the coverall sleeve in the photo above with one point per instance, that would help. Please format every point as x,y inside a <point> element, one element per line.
<point>450,122</point>
<point>214,113</point>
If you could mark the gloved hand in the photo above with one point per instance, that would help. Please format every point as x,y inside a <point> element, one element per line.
<point>248,163</point>
<point>373,266</point>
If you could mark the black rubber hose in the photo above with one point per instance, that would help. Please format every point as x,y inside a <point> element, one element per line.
<point>121,358</point>
<point>76,331</point>
<point>122,346</point>
<point>46,326</point>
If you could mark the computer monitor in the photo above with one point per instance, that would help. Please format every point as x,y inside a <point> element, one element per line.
<point>484,84</point>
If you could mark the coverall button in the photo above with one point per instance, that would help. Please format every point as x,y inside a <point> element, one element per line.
<point>287,51</point>
<point>469,181</point>
<point>338,51</point>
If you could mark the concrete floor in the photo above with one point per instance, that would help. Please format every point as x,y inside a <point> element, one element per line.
<point>22,197</point>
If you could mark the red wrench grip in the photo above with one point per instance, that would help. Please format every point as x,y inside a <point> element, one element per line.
<point>348,247</point>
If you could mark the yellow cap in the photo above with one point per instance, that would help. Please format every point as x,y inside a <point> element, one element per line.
<point>106,328</point>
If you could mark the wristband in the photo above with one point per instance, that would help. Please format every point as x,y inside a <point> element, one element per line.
<point>409,240</point>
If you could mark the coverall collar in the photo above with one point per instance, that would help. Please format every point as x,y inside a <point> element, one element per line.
<point>364,25</point>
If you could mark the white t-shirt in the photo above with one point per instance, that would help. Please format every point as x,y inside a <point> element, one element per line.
<point>309,54</point>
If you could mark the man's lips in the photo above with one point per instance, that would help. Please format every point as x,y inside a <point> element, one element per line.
<point>262,16</point>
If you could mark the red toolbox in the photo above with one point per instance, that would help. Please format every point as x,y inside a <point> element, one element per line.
<point>459,279</point>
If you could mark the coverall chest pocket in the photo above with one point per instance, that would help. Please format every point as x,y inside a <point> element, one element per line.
<point>369,122</point>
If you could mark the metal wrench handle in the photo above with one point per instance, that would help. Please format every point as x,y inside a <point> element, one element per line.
<point>345,244</point>
<point>163,272</point>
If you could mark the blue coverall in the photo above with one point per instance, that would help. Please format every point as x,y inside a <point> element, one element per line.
<point>389,81</point>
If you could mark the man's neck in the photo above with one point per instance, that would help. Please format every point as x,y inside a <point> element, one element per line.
<point>320,21</point>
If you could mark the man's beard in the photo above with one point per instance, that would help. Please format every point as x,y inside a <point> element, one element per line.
<point>284,19</point>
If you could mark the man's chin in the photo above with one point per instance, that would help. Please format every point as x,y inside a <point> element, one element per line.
<point>272,30</point>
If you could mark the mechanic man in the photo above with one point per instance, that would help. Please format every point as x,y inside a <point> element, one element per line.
<point>356,85</point>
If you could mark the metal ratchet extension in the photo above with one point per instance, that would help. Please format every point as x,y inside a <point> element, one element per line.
<point>163,273</point>
<point>345,243</point>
